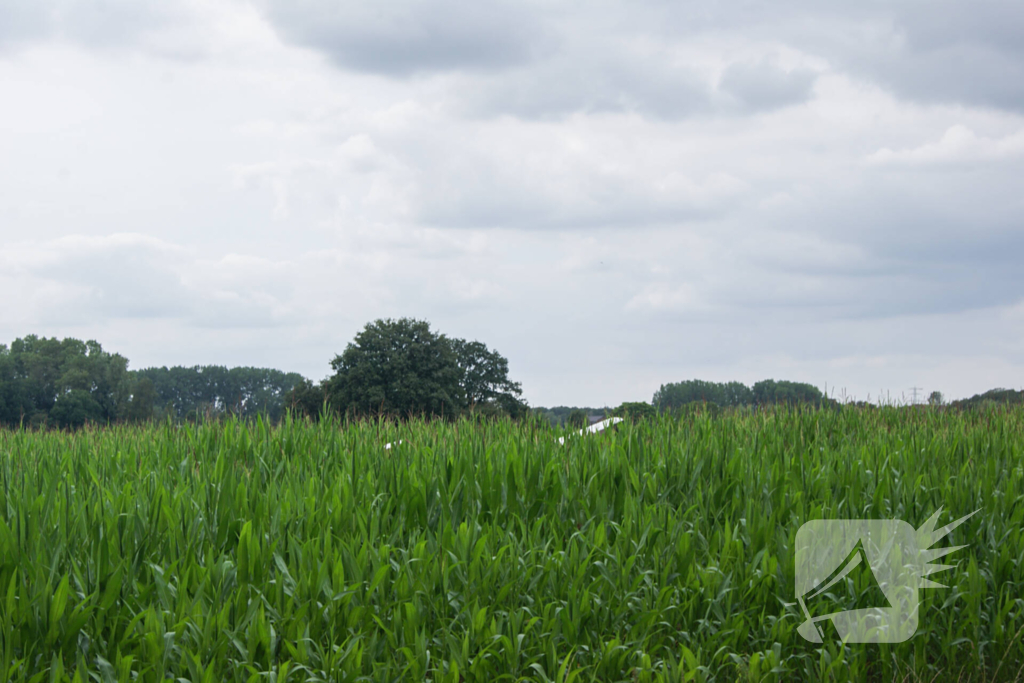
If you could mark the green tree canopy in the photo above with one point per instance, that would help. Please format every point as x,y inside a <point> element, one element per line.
<point>65,382</point>
<point>634,411</point>
<point>559,415</point>
<point>396,367</point>
<point>724,394</point>
<point>402,367</point>
<point>484,379</point>
<point>190,392</point>
<point>992,397</point>
<point>772,391</point>
<point>577,418</point>
<point>306,398</point>
<point>733,394</point>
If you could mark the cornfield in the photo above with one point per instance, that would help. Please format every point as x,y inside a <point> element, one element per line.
<point>486,551</point>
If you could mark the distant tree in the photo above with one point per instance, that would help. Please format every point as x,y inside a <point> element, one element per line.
<point>935,398</point>
<point>75,408</point>
<point>213,390</point>
<point>772,391</point>
<point>577,419</point>
<point>15,404</point>
<point>992,397</point>
<point>558,415</point>
<point>397,367</point>
<point>484,379</point>
<point>306,399</point>
<point>670,397</point>
<point>675,395</point>
<point>636,411</point>
<point>79,379</point>
<point>143,400</point>
<point>736,394</point>
<point>403,368</point>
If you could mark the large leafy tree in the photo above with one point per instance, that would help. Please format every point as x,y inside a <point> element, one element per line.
<point>396,367</point>
<point>403,368</point>
<point>306,398</point>
<point>484,379</point>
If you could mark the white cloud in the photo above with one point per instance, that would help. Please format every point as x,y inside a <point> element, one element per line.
<point>662,297</point>
<point>958,145</point>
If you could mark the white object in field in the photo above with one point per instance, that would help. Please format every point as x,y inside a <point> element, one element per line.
<point>595,428</point>
<point>387,446</point>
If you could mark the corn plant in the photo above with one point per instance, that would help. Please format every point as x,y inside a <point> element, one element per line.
<point>660,550</point>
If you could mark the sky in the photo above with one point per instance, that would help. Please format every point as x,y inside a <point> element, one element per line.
<point>614,195</point>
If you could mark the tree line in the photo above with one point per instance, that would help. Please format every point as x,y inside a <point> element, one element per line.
<point>991,398</point>
<point>677,396</point>
<point>67,383</point>
<point>735,394</point>
<point>396,368</point>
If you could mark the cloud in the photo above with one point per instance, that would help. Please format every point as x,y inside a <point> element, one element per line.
<point>761,85</point>
<point>540,62</point>
<point>405,37</point>
<point>591,80</point>
<point>958,145</point>
<point>939,52</point>
<point>77,279</point>
<point>553,192</point>
<point>182,30</point>
<point>96,23</point>
<point>655,57</point>
<point>951,52</point>
<point>651,57</point>
<point>662,297</point>
<point>475,175</point>
<point>656,189</point>
<point>650,83</point>
<point>360,183</point>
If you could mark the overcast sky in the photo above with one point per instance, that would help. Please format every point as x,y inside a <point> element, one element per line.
<point>614,195</point>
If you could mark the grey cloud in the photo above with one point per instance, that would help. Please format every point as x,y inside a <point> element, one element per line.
<point>115,278</point>
<point>958,51</point>
<point>969,73</point>
<point>131,277</point>
<point>96,23</point>
<point>762,85</point>
<point>943,51</point>
<point>936,25</point>
<point>492,196</point>
<point>400,38</point>
<point>22,20</point>
<point>535,64</point>
<point>909,288</point>
<point>936,51</point>
<point>909,244</point>
<point>939,51</point>
<point>602,83</point>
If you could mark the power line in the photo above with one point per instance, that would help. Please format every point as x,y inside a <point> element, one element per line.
<point>914,390</point>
